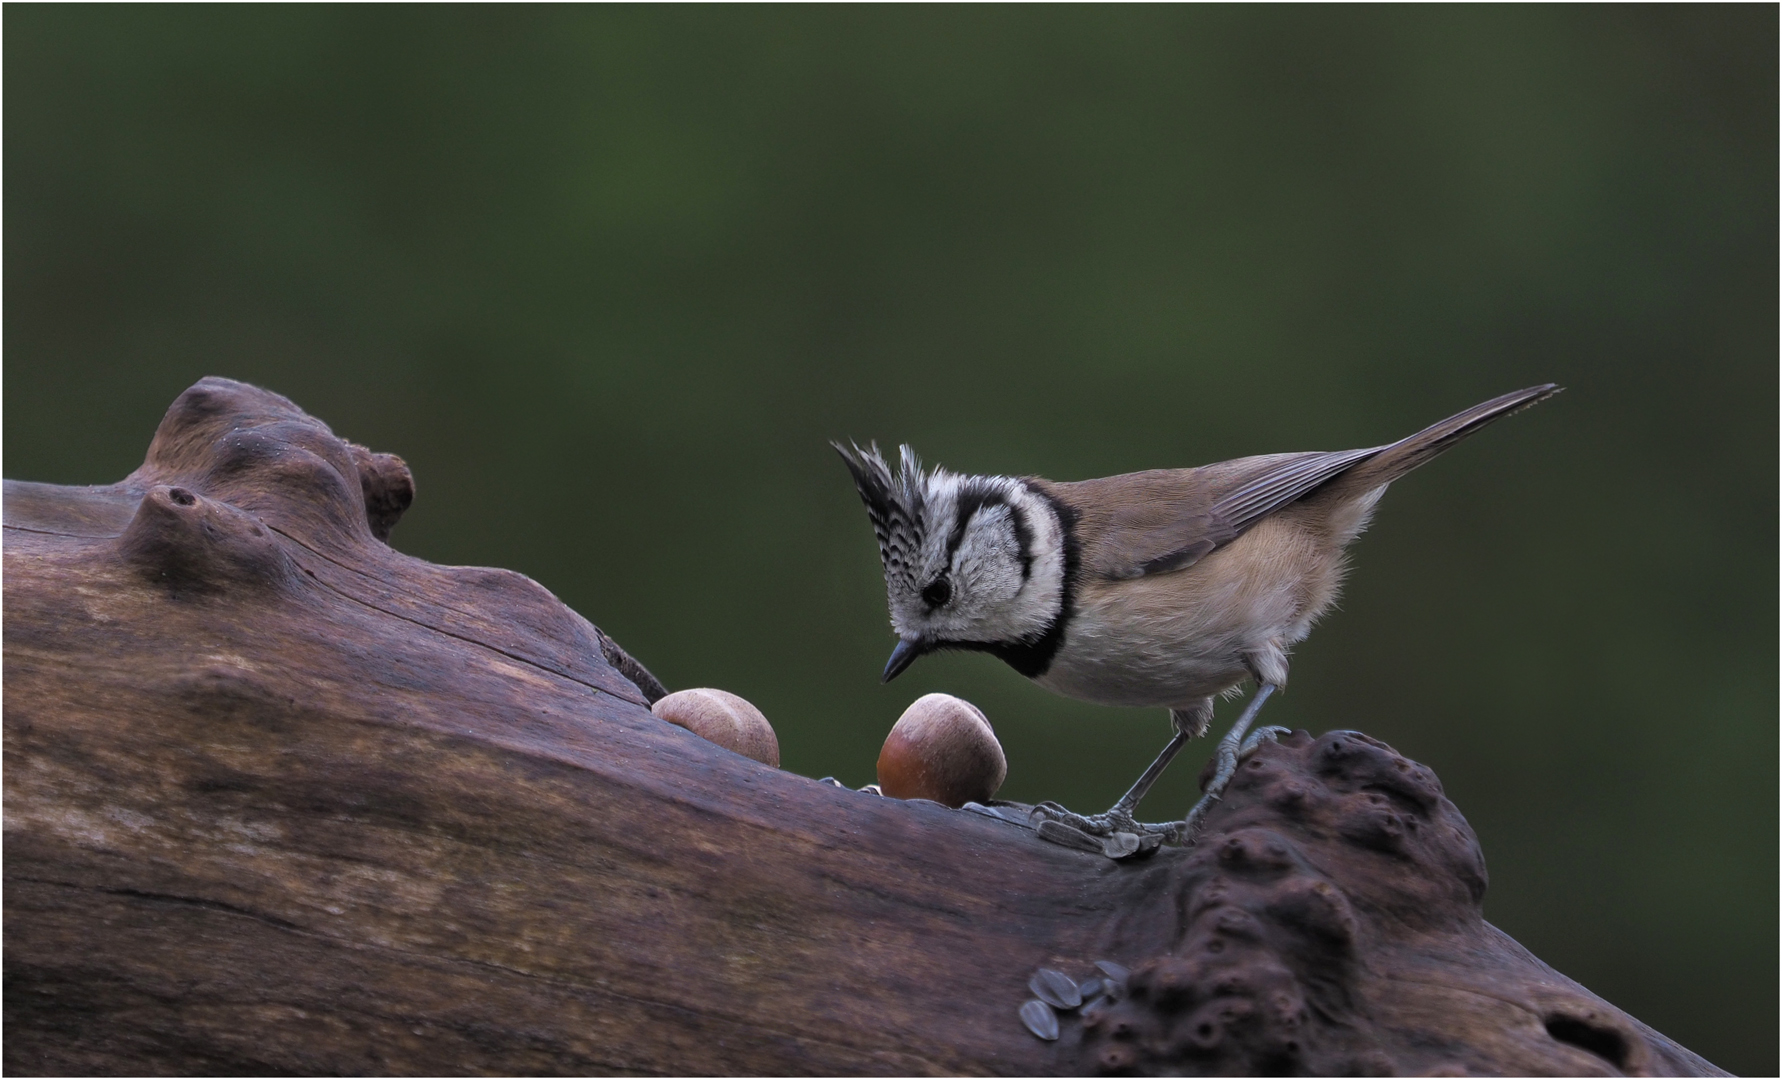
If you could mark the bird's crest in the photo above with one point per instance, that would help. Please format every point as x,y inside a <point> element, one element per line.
<point>894,503</point>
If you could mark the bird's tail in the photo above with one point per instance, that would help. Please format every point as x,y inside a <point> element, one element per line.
<point>1399,458</point>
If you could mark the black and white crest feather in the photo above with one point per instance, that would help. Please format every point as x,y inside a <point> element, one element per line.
<point>894,503</point>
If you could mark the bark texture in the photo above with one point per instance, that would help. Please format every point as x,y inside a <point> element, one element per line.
<point>281,799</point>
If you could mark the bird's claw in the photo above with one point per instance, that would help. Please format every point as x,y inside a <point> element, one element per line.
<point>1191,823</point>
<point>1260,736</point>
<point>1105,824</point>
<point>1114,833</point>
<point>1228,763</point>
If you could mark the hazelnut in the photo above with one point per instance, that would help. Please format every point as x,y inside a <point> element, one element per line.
<point>721,717</point>
<point>942,748</point>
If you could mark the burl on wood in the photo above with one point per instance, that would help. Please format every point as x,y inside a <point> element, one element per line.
<point>282,799</point>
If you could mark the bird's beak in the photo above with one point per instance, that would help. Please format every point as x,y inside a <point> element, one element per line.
<point>902,657</point>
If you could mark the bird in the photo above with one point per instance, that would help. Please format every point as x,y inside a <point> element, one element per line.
<point>1162,588</point>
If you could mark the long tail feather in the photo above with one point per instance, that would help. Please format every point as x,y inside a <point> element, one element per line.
<point>1401,457</point>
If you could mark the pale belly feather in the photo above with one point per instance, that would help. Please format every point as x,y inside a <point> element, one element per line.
<point>1175,639</point>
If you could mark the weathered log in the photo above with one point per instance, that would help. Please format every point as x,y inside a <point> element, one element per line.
<point>282,799</point>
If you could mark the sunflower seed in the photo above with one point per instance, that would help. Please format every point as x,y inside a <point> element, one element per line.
<point>1055,988</point>
<point>1115,975</point>
<point>1000,813</point>
<point>1120,845</point>
<point>1060,833</point>
<point>1040,1019</point>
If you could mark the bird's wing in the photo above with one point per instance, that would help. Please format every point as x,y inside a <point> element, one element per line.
<point>1167,519</point>
<point>1283,482</point>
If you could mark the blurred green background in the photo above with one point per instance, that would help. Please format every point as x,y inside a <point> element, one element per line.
<point>609,278</point>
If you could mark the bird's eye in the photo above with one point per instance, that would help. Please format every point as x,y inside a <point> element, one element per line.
<point>938,592</point>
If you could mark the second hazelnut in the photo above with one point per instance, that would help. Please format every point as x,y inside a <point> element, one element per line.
<point>942,748</point>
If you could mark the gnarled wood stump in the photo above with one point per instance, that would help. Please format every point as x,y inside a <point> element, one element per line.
<point>282,799</point>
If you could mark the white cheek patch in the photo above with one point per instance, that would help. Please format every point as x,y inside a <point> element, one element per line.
<point>988,563</point>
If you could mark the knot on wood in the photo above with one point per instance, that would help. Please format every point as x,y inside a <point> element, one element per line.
<point>1265,977</point>
<point>259,451</point>
<point>244,488</point>
<point>1416,845</point>
<point>388,487</point>
<point>198,545</point>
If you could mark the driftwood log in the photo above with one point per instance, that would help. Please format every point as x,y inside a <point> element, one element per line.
<point>279,798</point>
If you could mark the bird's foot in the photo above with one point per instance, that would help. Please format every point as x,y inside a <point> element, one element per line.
<point>1115,833</point>
<point>1228,762</point>
<point>1115,820</point>
<point>1260,736</point>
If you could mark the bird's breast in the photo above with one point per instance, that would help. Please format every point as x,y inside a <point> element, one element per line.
<point>1173,639</point>
<point>1119,650</point>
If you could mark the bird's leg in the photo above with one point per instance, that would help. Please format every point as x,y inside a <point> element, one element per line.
<point>1118,818</point>
<point>1189,723</point>
<point>1232,748</point>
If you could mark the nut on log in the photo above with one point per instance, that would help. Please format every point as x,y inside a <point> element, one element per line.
<point>942,748</point>
<point>721,717</point>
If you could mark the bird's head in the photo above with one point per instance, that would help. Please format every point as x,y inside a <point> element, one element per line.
<point>970,561</point>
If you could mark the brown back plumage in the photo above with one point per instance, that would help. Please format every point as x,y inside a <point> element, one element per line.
<point>1162,520</point>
